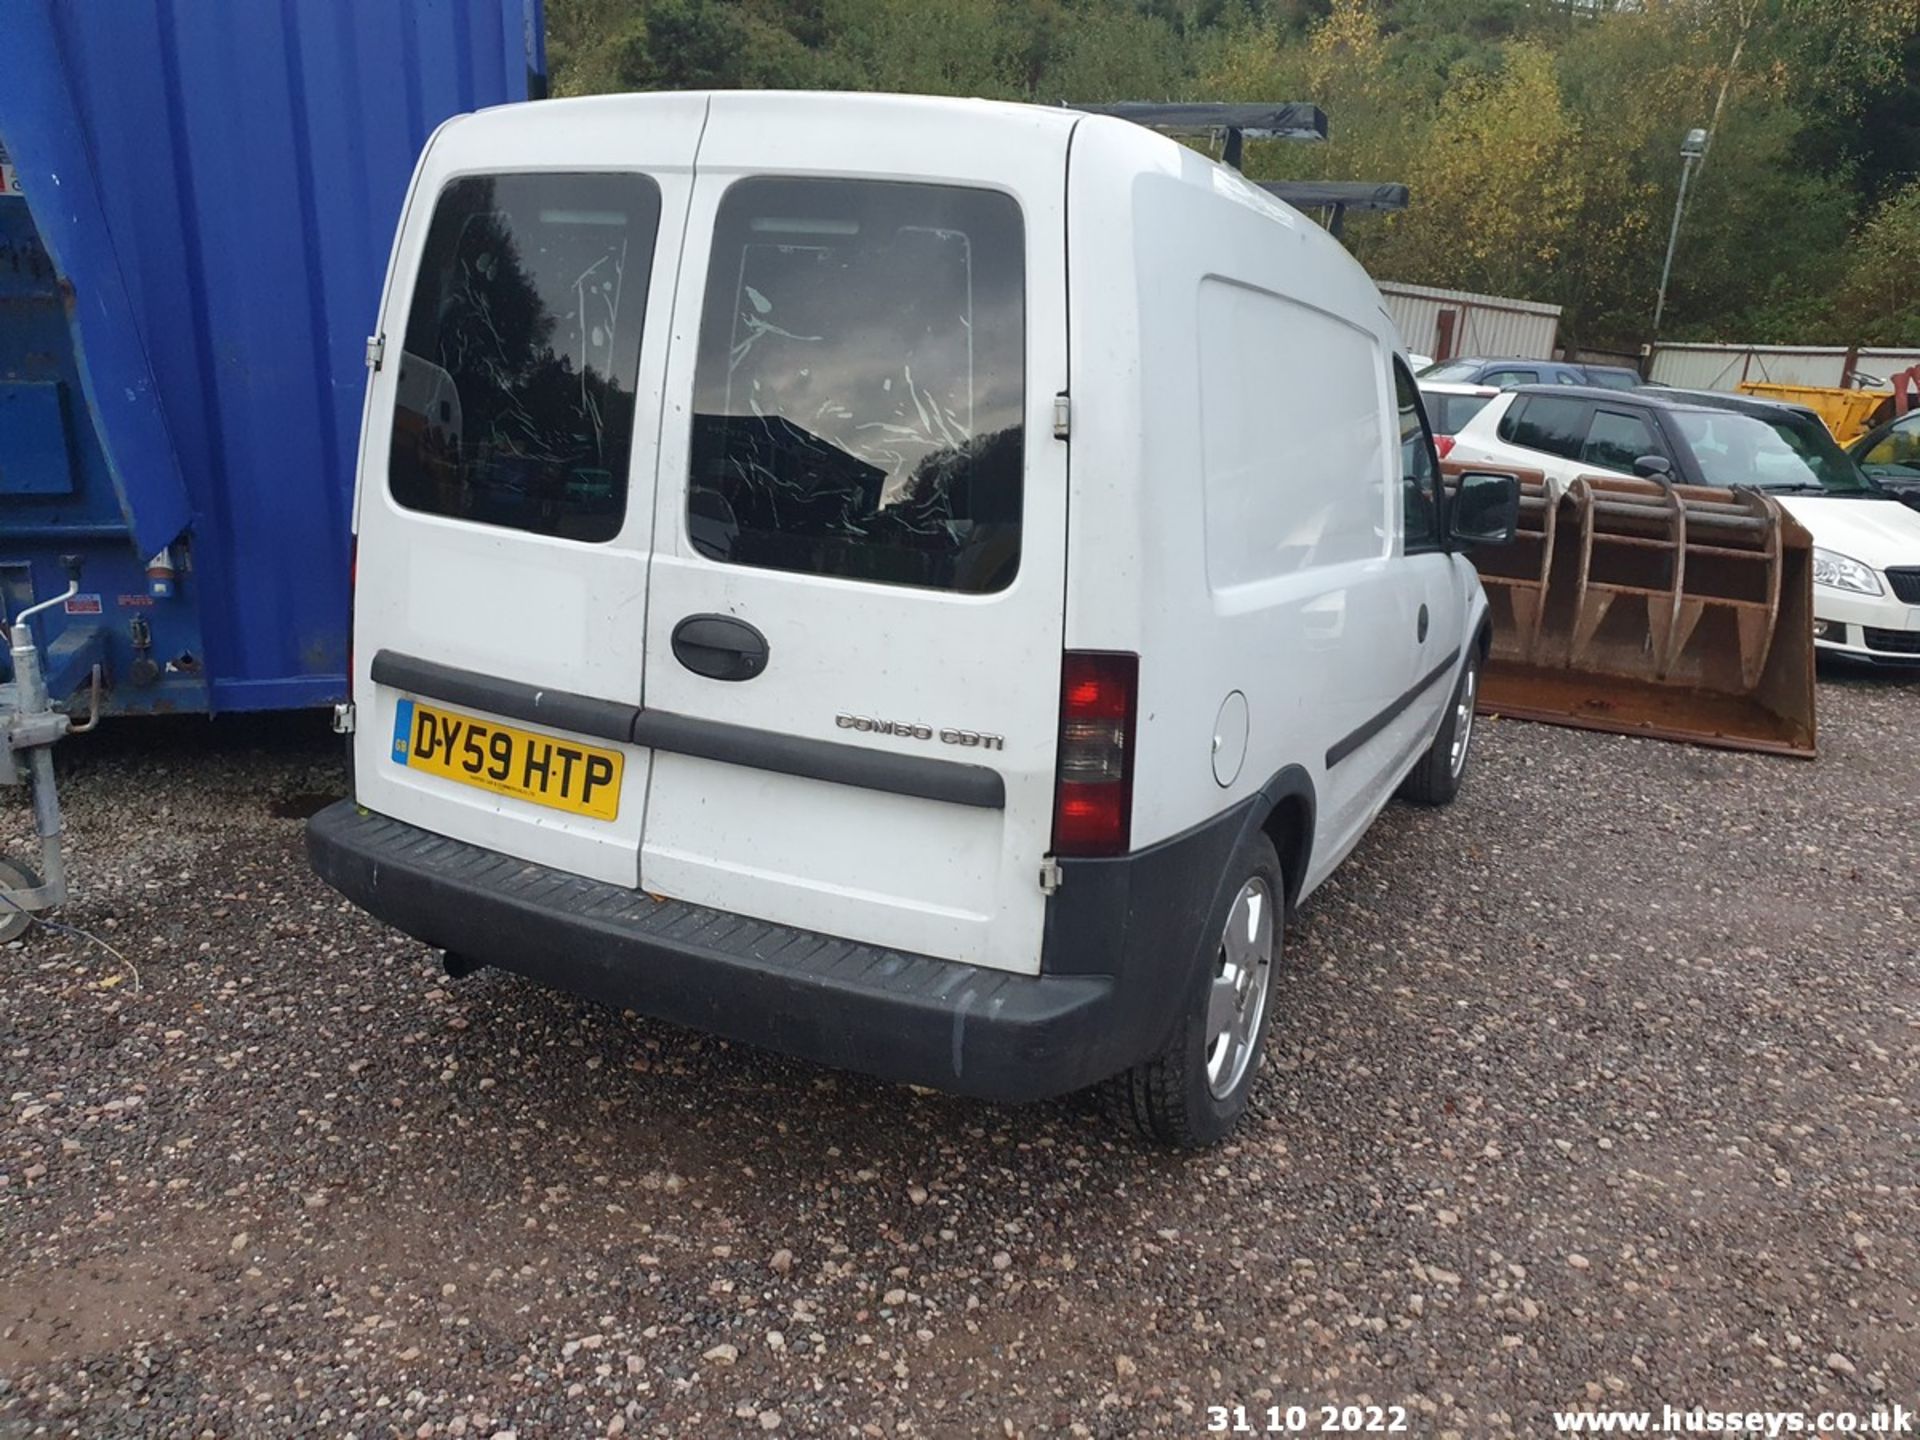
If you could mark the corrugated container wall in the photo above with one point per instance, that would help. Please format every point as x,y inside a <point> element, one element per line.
<point>1446,323</point>
<point>198,204</point>
<point>1723,367</point>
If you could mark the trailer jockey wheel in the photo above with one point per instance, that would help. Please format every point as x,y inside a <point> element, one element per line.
<point>15,881</point>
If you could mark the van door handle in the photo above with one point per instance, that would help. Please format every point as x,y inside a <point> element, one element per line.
<point>720,647</point>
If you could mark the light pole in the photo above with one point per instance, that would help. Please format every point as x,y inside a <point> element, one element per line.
<point>1691,149</point>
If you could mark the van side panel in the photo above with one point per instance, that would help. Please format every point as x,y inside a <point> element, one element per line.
<point>1234,486</point>
<point>1283,498</point>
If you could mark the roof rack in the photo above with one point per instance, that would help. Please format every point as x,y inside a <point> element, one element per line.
<point>1265,120</point>
<point>1369,195</point>
<point>1338,197</point>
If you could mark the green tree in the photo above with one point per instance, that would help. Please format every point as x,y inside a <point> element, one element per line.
<point>1114,53</point>
<point>1494,138</point>
<point>1878,300</point>
<point>1540,138</point>
<point>958,47</point>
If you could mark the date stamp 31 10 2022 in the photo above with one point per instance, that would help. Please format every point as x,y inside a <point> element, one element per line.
<point>1307,1419</point>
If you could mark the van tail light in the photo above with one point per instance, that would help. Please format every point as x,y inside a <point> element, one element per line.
<point>1093,787</point>
<point>1443,445</point>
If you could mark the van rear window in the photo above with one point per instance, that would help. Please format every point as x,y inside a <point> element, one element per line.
<point>516,380</point>
<point>861,383</point>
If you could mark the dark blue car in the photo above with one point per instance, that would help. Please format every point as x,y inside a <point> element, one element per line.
<point>1507,373</point>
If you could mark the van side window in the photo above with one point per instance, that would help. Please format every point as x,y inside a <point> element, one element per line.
<point>1547,422</point>
<point>1419,471</point>
<point>861,383</point>
<point>516,380</point>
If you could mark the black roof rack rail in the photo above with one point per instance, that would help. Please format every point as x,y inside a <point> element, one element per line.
<point>1369,195</point>
<point>1262,120</point>
<point>1338,197</point>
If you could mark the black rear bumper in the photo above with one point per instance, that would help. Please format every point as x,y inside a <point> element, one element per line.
<point>940,1023</point>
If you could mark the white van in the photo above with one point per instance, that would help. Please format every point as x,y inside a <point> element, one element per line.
<point>922,585</point>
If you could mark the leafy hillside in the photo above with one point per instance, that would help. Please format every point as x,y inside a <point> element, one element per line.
<point>1541,137</point>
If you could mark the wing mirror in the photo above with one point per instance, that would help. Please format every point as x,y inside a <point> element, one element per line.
<point>1653,467</point>
<point>1485,510</point>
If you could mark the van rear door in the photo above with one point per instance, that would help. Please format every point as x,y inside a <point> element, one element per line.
<point>507,467</point>
<point>854,618</point>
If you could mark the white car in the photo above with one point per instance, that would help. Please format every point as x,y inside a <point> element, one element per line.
<point>1866,559</point>
<point>1450,405</point>
<point>829,636</point>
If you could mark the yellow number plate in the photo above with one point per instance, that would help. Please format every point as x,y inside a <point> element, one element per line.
<point>561,774</point>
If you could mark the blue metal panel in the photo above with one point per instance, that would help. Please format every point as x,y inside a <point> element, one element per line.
<point>43,128</point>
<point>247,163</point>
<point>69,503</point>
<point>34,454</point>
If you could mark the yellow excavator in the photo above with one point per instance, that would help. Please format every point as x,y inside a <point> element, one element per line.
<point>1848,411</point>
<point>1644,607</point>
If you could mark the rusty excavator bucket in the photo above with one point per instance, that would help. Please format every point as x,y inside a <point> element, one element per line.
<point>1643,607</point>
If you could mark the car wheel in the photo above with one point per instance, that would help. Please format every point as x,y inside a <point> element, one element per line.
<point>1195,1090</point>
<point>1436,779</point>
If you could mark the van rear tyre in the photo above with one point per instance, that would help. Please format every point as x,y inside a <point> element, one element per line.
<point>1436,779</point>
<point>1195,1090</point>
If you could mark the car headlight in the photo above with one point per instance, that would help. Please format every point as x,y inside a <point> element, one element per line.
<point>1841,572</point>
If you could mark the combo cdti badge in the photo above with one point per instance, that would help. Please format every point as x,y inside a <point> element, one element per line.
<point>931,621</point>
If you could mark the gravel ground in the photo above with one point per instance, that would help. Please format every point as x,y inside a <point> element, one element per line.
<point>1602,1087</point>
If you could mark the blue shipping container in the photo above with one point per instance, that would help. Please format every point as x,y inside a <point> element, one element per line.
<point>197,199</point>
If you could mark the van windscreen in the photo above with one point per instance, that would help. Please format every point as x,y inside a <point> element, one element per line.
<point>861,383</point>
<point>516,382</point>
